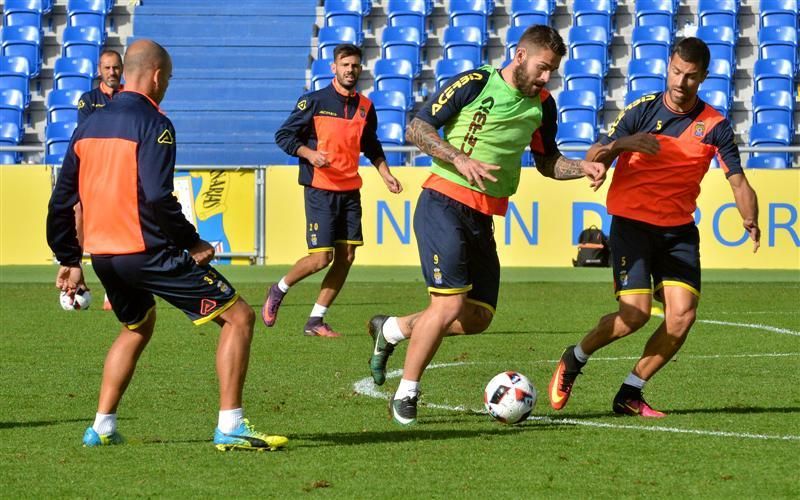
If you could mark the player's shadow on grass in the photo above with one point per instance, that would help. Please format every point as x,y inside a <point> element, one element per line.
<point>40,423</point>
<point>736,410</point>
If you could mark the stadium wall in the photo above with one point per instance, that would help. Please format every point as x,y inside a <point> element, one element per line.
<point>540,230</point>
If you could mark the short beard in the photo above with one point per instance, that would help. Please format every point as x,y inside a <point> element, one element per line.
<point>522,82</point>
<point>351,87</point>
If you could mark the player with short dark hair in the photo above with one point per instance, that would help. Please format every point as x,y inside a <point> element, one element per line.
<point>109,67</point>
<point>663,143</point>
<point>489,117</point>
<point>120,164</point>
<point>327,130</point>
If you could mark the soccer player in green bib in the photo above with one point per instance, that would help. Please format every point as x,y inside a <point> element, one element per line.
<point>489,118</point>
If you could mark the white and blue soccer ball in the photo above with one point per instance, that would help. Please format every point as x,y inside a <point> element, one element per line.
<point>80,302</point>
<point>509,397</point>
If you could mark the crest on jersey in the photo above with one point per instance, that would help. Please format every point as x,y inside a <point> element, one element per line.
<point>699,129</point>
<point>302,105</point>
<point>362,111</point>
<point>166,137</point>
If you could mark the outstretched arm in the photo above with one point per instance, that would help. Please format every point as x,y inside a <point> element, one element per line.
<point>747,203</point>
<point>560,167</point>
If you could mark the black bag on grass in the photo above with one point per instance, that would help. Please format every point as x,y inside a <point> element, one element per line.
<point>593,249</point>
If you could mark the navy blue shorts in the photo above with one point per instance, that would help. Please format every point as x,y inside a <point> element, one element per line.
<point>130,281</point>
<point>639,251</point>
<point>332,217</point>
<point>457,249</point>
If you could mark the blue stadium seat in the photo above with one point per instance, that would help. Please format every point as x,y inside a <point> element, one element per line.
<point>12,108</point>
<point>589,42</point>
<point>575,134</point>
<point>655,13</point>
<point>345,13</point>
<point>321,73</point>
<point>15,73</point>
<point>721,42</point>
<point>391,106</point>
<point>773,106</point>
<point>73,73</point>
<point>585,74</point>
<point>528,12</point>
<point>448,68</point>
<point>512,39</point>
<point>408,13</point>
<point>577,106</point>
<point>719,13</point>
<point>88,13</point>
<point>773,74</point>
<point>23,41</point>
<point>651,42</point>
<point>331,36</point>
<point>62,105</point>
<point>57,137</point>
<point>767,160</point>
<point>647,74</point>
<point>778,13</point>
<point>636,94</point>
<point>717,99</point>
<point>771,134</point>
<point>392,134</point>
<point>403,42</point>
<point>594,13</point>
<point>395,75</point>
<point>83,41</point>
<point>23,13</point>
<point>422,160</point>
<point>778,42</point>
<point>9,136</point>
<point>463,42</point>
<point>719,69</point>
<point>471,13</point>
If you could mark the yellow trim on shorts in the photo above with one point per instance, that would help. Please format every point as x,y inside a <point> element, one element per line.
<point>482,304</point>
<point>134,326</point>
<point>350,242</point>
<point>679,284</point>
<point>449,291</point>
<point>322,249</point>
<point>635,291</point>
<point>216,313</point>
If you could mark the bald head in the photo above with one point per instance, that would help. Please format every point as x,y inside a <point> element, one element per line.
<point>148,68</point>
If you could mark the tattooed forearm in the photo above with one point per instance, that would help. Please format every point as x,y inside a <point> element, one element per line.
<point>559,167</point>
<point>428,141</point>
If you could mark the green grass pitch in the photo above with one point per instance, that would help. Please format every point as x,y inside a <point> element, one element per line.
<point>732,395</point>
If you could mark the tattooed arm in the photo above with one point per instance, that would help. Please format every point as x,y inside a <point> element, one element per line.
<point>424,136</point>
<point>559,167</point>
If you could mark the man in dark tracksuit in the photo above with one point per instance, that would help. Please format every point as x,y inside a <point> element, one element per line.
<point>110,69</point>
<point>327,130</point>
<point>120,165</point>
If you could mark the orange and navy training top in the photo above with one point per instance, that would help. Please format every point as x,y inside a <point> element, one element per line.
<point>341,123</point>
<point>95,98</point>
<point>662,189</point>
<point>120,165</point>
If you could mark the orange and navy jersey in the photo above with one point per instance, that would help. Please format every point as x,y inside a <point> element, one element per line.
<point>95,98</point>
<point>120,166</point>
<point>662,189</point>
<point>339,123</point>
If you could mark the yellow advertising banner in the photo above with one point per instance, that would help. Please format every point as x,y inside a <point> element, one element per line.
<point>24,194</point>
<point>544,220</point>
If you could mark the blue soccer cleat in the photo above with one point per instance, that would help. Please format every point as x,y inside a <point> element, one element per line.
<point>92,439</point>
<point>245,437</point>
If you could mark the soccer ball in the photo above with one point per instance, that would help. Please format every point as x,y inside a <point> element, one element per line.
<point>509,397</point>
<point>80,302</point>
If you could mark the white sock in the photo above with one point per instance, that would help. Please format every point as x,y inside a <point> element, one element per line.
<point>229,420</point>
<point>282,286</point>
<point>635,381</point>
<point>391,331</point>
<point>408,388</point>
<point>105,423</point>
<point>318,311</point>
<point>581,356</point>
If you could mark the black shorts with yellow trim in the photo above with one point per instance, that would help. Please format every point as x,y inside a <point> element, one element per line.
<point>332,217</point>
<point>457,249</point>
<point>646,258</point>
<point>131,281</point>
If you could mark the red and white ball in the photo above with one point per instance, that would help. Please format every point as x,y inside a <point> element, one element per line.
<point>509,397</point>
<point>79,302</point>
